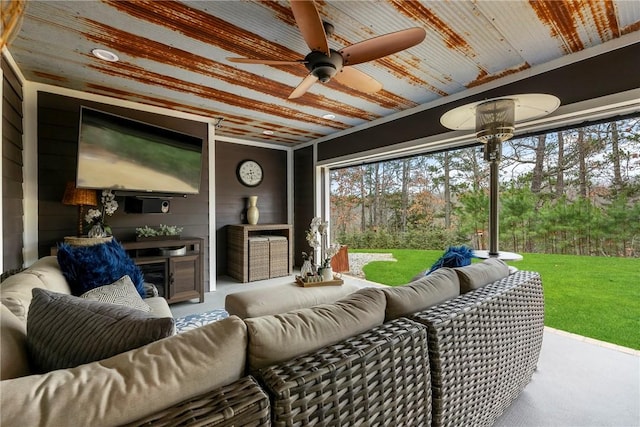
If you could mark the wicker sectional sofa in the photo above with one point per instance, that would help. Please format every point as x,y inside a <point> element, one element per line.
<point>417,356</point>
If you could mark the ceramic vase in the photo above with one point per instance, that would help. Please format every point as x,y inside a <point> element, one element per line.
<point>326,273</point>
<point>252,212</point>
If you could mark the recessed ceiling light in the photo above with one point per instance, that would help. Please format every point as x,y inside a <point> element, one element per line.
<point>105,55</point>
<point>267,132</point>
<point>329,116</point>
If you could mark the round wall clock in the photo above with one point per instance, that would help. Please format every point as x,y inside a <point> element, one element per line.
<point>249,173</point>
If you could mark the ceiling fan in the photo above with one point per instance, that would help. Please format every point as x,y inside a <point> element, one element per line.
<point>324,63</point>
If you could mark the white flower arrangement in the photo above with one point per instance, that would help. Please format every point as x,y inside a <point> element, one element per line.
<point>318,239</point>
<point>109,206</point>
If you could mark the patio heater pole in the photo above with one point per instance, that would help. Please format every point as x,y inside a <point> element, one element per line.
<point>494,125</point>
<point>492,155</point>
<point>494,122</point>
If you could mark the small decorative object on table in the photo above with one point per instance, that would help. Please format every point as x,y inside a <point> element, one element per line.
<point>97,217</point>
<point>161,233</point>
<point>307,268</point>
<point>318,239</point>
<point>252,211</point>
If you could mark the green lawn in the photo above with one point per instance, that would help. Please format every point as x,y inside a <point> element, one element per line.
<point>597,297</point>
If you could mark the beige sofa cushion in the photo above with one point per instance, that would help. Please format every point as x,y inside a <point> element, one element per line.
<point>159,307</point>
<point>48,269</point>
<point>15,291</point>
<point>131,385</point>
<point>439,286</point>
<point>479,274</point>
<point>282,298</point>
<point>280,337</point>
<point>14,361</point>
<point>64,331</point>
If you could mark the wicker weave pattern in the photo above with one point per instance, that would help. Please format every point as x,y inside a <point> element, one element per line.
<point>483,348</point>
<point>378,378</point>
<point>238,257</point>
<point>242,403</point>
<point>278,256</point>
<point>258,258</point>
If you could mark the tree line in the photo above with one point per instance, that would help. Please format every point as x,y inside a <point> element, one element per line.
<point>572,191</point>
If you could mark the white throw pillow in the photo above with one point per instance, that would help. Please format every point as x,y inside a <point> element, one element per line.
<point>120,292</point>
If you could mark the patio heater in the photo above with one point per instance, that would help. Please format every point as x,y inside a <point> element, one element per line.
<point>494,122</point>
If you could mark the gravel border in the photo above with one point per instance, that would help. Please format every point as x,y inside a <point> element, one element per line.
<point>359,260</point>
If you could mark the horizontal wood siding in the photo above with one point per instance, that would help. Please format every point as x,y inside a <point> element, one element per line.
<point>231,195</point>
<point>12,146</point>
<point>58,125</point>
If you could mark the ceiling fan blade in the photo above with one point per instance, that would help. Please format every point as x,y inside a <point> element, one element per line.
<point>378,47</point>
<point>304,86</point>
<point>266,61</point>
<point>358,80</point>
<point>310,25</point>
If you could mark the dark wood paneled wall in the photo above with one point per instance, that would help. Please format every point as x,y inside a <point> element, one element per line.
<point>58,125</point>
<point>12,147</point>
<point>231,195</point>
<point>303,205</point>
<point>612,72</point>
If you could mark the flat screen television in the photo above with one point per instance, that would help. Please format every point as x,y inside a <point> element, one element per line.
<point>118,153</point>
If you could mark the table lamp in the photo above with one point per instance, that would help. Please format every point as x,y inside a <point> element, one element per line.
<point>79,197</point>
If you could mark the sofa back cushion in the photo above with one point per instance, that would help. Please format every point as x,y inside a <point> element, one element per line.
<point>14,361</point>
<point>280,337</point>
<point>15,291</point>
<point>477,275</point>
<point>131,385</point>
<point>437,287</point>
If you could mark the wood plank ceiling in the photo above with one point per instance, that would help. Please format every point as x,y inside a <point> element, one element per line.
<point>173,54</point>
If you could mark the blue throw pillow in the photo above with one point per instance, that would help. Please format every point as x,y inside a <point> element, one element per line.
<point>454,256</point>
<point>89,267</point>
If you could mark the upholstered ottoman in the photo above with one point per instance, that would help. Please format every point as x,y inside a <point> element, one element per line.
<point>282,298</point>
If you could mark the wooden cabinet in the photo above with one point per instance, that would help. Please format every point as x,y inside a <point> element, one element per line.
<point>177,274</point>
<point>256,252</point>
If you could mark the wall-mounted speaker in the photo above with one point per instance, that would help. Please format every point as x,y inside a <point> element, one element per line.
<point>134,204</point>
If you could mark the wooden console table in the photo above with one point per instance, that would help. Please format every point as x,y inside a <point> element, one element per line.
<point>178,277</point>
<point>239,253</point>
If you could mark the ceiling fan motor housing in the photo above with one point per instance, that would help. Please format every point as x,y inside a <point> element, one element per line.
<point>322,66</point>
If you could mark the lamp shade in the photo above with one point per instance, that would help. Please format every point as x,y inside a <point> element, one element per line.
<point>79,196</point>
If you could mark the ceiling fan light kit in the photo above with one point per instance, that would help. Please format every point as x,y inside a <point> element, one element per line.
<point>324,64</point>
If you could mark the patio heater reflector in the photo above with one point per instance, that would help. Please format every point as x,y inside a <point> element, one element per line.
<point>494,122</point>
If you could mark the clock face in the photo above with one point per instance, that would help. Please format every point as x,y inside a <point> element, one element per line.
<point>250,173</point>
